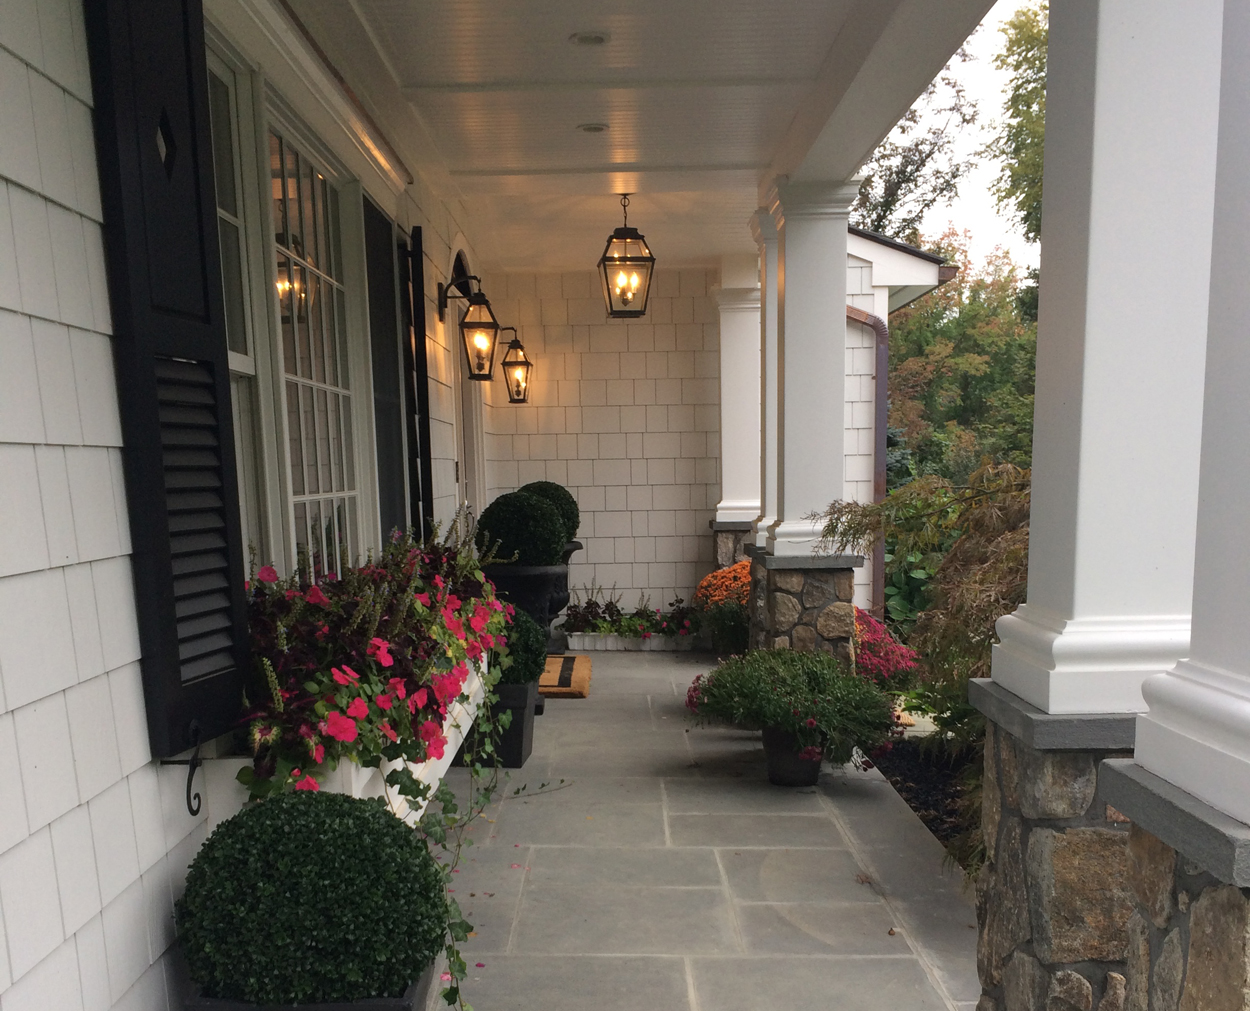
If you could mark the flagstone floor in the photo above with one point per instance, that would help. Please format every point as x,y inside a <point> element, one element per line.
<point>659,871</point>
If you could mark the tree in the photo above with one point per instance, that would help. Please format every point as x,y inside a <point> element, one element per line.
<point>916,166</point>
<point>1019,141</point>
<point>961,369</point>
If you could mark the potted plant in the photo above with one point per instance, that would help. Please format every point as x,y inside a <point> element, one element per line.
<point>528,538</point>
<point>566,505</point>
<point>517,691</point>
<point>809,706</point>
<point>312,900</point>
<point>722,598</point>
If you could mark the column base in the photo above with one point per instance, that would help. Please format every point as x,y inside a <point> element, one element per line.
<point>803,603</point>
<point>793,538</point>
<point>1085,665</point>
<point>1197,735</point>
<point>760,534</point>
<point>1189,934</point>
<point>730,539</point>
<point>1054,896</point>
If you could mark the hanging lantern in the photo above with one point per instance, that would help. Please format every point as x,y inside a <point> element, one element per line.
<point>625,269</point>
<point>478,328</point>
<point>516,370</point>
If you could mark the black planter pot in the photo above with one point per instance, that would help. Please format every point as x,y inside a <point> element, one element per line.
<point>416,996</point>
<point>785,767</point>
<point>517,741</point>
<point>557,640</point>
<point>529,587</point>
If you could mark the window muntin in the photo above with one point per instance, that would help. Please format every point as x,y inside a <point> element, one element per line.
<point>316,385</point>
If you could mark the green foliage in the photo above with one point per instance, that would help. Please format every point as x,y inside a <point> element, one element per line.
<point>813,696</point>
<point>906,589</point>
<point>1019,142</point>
<point>527,648</point>
<point>916,167</point>
<point>527,529</point>
<point>961,370</point>
<point>727,625</point>
<point>562,499</point>
<point>311,897</point>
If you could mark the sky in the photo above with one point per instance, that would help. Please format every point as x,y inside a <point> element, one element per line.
<point>974,208</point>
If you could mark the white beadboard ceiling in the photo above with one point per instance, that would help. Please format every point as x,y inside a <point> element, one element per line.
<point>705,101</point>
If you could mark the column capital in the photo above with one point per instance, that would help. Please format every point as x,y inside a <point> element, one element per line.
<point>737,299</point>
<point>811,199</point>
<point>763,227</point>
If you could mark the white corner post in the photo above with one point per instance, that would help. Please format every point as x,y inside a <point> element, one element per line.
<point>764,230</point>
<point>1131,123</point>
<point>1196,734</point>
<point>739,301</point>
<point>811,223</point>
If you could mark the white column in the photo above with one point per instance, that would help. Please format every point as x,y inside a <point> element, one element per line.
<point>764,229</point>
<point>811,356</point>
<point>1131,118</point>
<point>739,302</point>
<point>1197,732</point>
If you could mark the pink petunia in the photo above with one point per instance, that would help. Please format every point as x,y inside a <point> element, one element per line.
<point>453,602</point>
<point>308,783</point>
<point>438,581</point>
<point>358,708</point>
<point>315,596</point>
<point>386,729</point>
<point>811,722</point>
<point>379,649</point>
<point>420,697</point>
<point>319,753</point>
<point>347,676</point>
<point>267,574</point>
<point>433,738</point>
<point>398,687</point>
<point>340,727</point>
<point>384,701</point>
<point>423,599</point>
<point>478,623</point>
<point>454,625</point>
<point>473,651</point>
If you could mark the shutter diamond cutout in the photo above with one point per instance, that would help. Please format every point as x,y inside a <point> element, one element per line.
<point>166,147</point>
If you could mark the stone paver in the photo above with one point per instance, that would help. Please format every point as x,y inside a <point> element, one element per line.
<point>665,873</point>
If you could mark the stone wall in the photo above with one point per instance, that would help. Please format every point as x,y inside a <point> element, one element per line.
<point>1054,898</point>
<point>1188,937</point>
<point>803,609</point>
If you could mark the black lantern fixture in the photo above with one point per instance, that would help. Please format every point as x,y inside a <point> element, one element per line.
<point>478,327</point>
<point>625,269</point>
<point>516,370</point>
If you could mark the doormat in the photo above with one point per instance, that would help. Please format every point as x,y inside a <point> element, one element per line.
<point>565,677</point>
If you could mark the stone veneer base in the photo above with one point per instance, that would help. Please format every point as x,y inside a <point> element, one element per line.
<point>803,603</point>
<point>1052,731</point>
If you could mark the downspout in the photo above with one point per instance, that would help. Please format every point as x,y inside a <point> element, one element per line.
<point>880,401</point>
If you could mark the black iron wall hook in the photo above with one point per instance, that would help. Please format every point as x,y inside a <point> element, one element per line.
<point>192,763</point>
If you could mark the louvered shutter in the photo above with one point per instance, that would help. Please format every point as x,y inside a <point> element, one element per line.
<point>150,88</point>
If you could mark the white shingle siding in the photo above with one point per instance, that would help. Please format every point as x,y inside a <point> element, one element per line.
<point>93,835</point>
<point>626,415</point>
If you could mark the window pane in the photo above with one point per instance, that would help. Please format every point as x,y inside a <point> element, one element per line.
<point>325,480</point>
<point>336,443</point>
<point>340,331</point>
<point>316,343</point>
<point>223,144</point>
<point>308,422</point>
<point>294,439</point>
<point>243,406</point>
<point>316,544</point>
<point>295,227</point>
<point>301,539</point>
<point>285,284</point>
<point>336,253</point>
<point>232,286</point>
<point>304,341</point>
<point>278,189</point>
<point>349,462</point>
<point>332,341</point>
<point>345,554</point>
<point>307,187</point>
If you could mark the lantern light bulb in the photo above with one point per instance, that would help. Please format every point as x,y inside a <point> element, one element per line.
<point>481,341</point>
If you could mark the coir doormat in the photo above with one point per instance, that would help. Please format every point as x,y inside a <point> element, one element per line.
<point>566,677</point>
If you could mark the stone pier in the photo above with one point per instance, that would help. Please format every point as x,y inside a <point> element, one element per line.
<point>803,603</point>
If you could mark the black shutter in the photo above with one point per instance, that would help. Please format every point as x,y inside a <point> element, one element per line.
<point>150,85</point>
<point>417,387</point>
<point>382,282</point>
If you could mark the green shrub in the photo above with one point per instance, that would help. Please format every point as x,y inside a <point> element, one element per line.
<point>562,499</point>
<point>814,696</point>
<point>728,626</point>
<point>527,646</point>
<point>311,897</point>
<point>526,526</point>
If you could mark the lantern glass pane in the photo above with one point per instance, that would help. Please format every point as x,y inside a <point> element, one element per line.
<point>480,332</point>
<point>626,269</point>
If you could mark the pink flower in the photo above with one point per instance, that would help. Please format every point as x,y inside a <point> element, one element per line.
<point>496,605</point>
<point>358,708</point>
<point>433,738</point>
<point>423,599</point>
<point>453,602</point>
<point>384,701</point>
<point>479,620</point>
<point>307,783</point>
<point>267,574</point>
<point>480,965</point>
<point>386,729</point>
<point>811,753</point>
<point>509,611</point>
<point>315,596</point>
<point>438,581</point>
<point>319,753</point>
<point>454,625</point>
<point>398,687</point>
<point>473,651</point>
<point>340,727</point>
<point>346,676</point>
<point>811,722</point>
<point>379,649</point>
<point>445,977</point>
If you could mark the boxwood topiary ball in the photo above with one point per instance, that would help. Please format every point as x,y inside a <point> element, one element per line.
<point>562,499</point>
<point>526,526</point>
<point>311,897</point>
<point>527,645</point>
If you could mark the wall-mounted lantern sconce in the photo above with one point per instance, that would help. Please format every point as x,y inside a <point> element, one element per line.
<point>478,327</point>
<point>625,268</point>
<point>516,370</point>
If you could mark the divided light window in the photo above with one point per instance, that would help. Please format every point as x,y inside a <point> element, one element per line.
<point>317,385</point>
